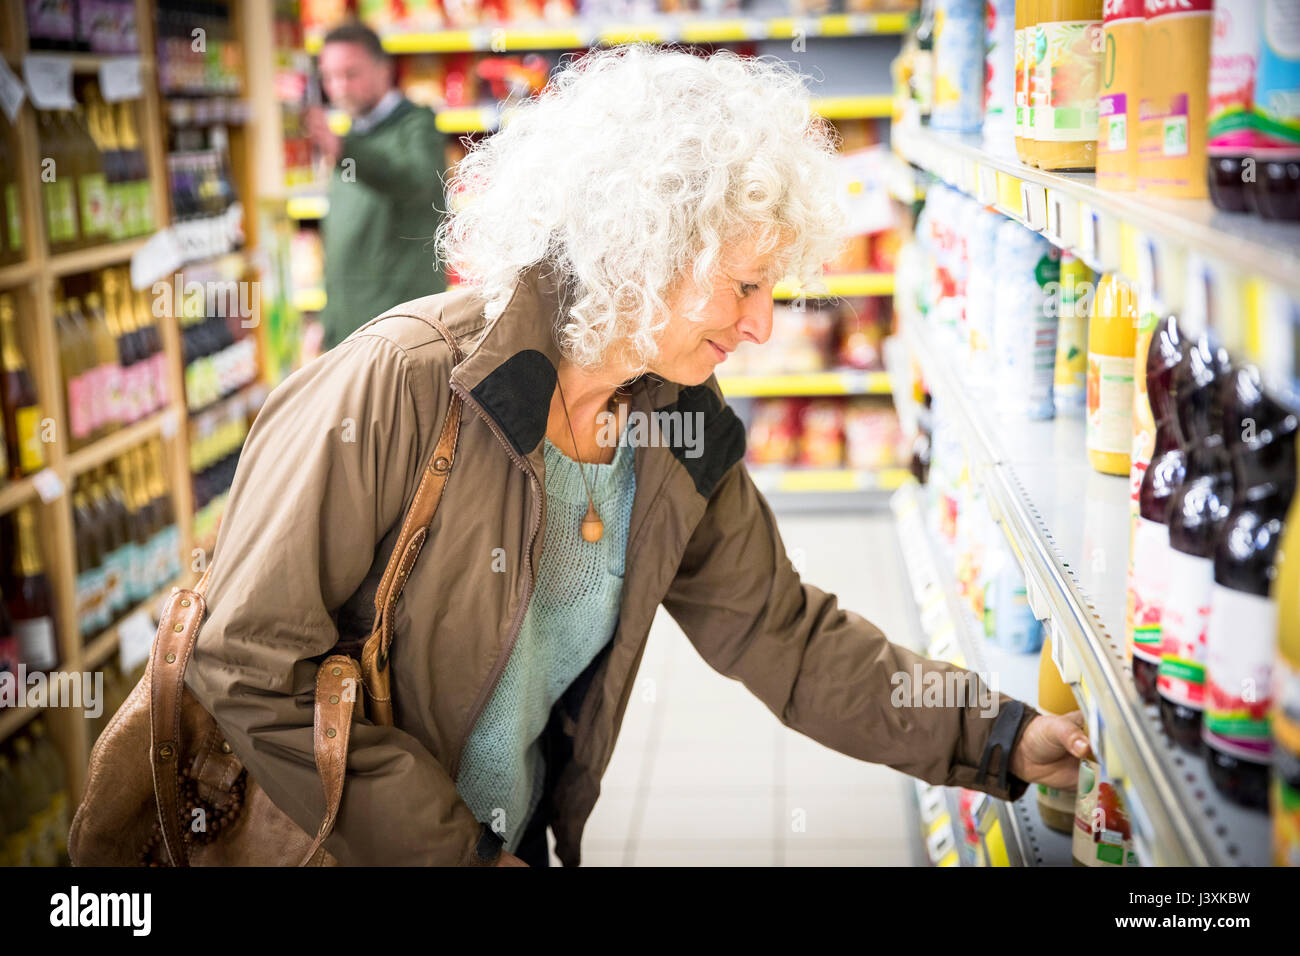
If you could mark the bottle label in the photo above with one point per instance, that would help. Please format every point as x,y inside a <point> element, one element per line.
<point>116,211</point>
<point>79,406</point>
<point>112,391</point>
<point>1285,796</point>
<point>1022,95</point>
<point>1277,104</point>
<point>90,597</point>
<point>15,224</point>
<point>36,644</point>
<point>1233,60</point>
<point>114,587</point>
<point>93,190</point>
<point>1110,403</point>
<point>1112,123</point>
<point>1150,580</point>
<point>1184,627</point>
<point>1239,652</point>
<point>31,453</point>
<point>1065,80</point>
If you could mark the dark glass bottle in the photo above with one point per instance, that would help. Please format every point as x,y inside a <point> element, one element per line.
<point>29,601</point>
<point>1260,433</point>
<point>1197,510</point>
<point>1151,531</point>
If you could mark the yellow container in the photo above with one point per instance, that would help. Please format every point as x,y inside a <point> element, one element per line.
<point>1112,341</point>
<point>1121,77</point>
<point>1065,58</point>
<point>1284,793</point>
<point>1026,14</point>
<point>1175,93</point>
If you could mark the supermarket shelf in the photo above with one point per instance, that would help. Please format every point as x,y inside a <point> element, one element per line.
<point>847,382</point>
<point>96,257</point>
<point>1013,835</point>
<point>18,273</point>
<point>13,719</point>
<point>582,34</point>
<point>16,493</point>
<point>309,300</point>
<point>85,62</point>
<point>487,118</point>
<point>103,645</point>
<point>777,479</point>
<point>110,446</point>
<point>1068,527</point>
<point>1106,229</point>
<point>844,285</point>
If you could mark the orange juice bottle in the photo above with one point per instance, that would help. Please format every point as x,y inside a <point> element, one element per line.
<point>1117,123</point>
<point>1025,17</point>
<point>1112,340</point>
<point>1175,91</point>
<point>1055,806</point>
<point>1065,83</point>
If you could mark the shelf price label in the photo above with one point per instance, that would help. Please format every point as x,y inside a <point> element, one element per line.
<point>49,82</point>
<point>1098,239</point>
<point>1033,205</point>
<point>986,186</point>
<point>48,485</point>
<point>134,639</point>
<point>119,79</point>
<point>1062,219</point>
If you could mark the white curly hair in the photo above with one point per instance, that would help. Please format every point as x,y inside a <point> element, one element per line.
<point>637,168</point>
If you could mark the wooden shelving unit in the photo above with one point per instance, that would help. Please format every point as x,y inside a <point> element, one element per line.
<point>32,282</point>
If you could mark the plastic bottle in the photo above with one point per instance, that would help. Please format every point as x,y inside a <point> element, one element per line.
<point>1277,105</point>
<point>1065,83</point>
<point>1117,124</point>
<point>1112,340</point>
<point>958,66</point>
<point>1102,834</point>
<point>1175,81</point>
<point>1284,791</point>
<point>999,77</point>
<point>1055,806</point>
<point>1260,432</point>
<point>1070,386</point>
<point>980,290</point>
<point>1024,332</point>
<point>1197,509</point>
<point>1149,571</point>
<point>1231,133</point>
<point>1025,18</point>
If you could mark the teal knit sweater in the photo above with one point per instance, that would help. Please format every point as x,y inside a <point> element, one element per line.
<point>571,616</point>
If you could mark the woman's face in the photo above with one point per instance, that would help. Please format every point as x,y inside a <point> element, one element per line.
<point>739,309</point>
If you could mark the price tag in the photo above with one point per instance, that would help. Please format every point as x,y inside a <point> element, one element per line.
<point>170,424</point>
<point>1033,205</point>
<point>48,485</point>
<point>49,82</point>
<point>119,79</point>
<point>160,256</point>
<point>12,93</point>
<point>134,639</point>
<point>1062,219</point>
<point>987,186</point>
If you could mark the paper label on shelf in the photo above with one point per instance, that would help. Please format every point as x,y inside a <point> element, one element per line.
<point>49,82</point>
<point>1033,205</point>
<point>48,485</point>
<point>12,93</point>
<point>159,257</point>
<point>170,424</point>
<point>134,639</point>
<point>119,79</point>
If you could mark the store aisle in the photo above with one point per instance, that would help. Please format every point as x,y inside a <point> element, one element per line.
<point>704,774</point>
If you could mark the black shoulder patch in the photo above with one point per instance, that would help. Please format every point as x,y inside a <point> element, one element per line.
<point>724,437</point>
<point>518,395</point>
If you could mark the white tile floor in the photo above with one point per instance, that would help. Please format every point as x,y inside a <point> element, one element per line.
<point>704,774</point>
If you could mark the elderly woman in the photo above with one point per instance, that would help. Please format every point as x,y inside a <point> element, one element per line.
<point>621,236</point>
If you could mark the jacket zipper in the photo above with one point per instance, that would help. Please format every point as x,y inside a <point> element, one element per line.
<point>517,624</point>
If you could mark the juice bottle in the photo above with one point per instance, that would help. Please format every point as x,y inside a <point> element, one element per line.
<point>1175,80</point>
<point>1112,339</point>
<point>1241,644</point>
<point>1102,833</point>
<point>29,599</point>
<point>958,66</point>
<point>1065,83</point>
<point>1055,806</point>
<point>22,411</point>
<point>1197,509</point>
<point>1284,790</point>
<point>1231,132</point>
<point>1024,333</point>
<point>1117,122</point>
<point>1069,388</point>
<point>1149,574</point>
<point>1025,17</point>
<point>1277,107</point>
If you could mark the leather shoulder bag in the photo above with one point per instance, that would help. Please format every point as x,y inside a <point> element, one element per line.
<point>162,762</point>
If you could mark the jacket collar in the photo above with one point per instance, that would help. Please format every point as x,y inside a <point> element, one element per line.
<point>511,371</point>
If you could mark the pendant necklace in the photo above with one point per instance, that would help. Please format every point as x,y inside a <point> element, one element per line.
<point>593,529</point>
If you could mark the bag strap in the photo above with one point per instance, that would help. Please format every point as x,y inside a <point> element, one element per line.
<point>332,723</point>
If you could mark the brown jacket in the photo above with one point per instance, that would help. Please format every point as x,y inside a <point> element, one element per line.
<point>323,483</point>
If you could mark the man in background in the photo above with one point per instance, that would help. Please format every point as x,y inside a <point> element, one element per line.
<point>385,192</point>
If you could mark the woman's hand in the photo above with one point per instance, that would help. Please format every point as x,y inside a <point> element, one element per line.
<point>509,859</point>
<point>1050,749</point>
